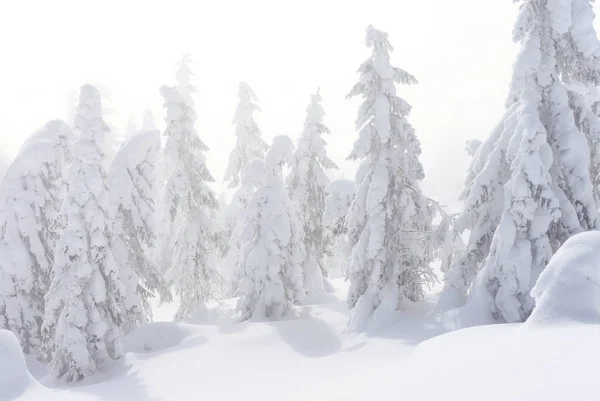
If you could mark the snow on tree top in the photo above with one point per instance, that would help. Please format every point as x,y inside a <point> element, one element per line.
<point>245,92</point>
<point>136,149</point>
<point>255,173</point>
<point>281,152</point>
<point>37,148</point>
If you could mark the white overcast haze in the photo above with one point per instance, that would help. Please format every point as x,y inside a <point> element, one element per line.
<point>460,50</point>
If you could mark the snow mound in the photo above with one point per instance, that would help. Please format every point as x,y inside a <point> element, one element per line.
<point>501,362</point>
<point>254,173</point>
<point>569,288</point>
<point>155,337</point>
<point>14,376</point>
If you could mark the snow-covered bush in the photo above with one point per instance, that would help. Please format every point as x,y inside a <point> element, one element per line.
<point>132,185</point>
<point>83,317</point>
<point>31,193</point>
<point>272,250</point>
<point>530,187</point>
<point>389,221</point>
<point>306,183</point>
<point>569,288</point>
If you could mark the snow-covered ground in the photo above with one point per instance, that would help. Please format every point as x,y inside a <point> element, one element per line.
<point>309,357</point>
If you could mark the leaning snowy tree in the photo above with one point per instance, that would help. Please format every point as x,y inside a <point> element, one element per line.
<point>83,318</point>
<point>132,182</point>
<point>190,203</point>
<point>532,189</point>
<point>389,222</point>
<point>306,184</point>
<point>249,144</point>
<point>272,251</point>
<point>31,194</point>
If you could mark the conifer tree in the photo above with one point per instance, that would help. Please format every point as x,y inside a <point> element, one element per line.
<point>272,250</point>
<point>249,144</point>
<point>31,194</point>
<point>83,317</point>
<point>132,182</point>
<point>189,201</point>
<point>389,222</point>
<point>306,183</point>
<point>532,188</point>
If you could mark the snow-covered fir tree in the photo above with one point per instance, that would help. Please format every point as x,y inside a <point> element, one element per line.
<point>249,143</point>
<point>189,205</point>
<point>233,220</point>
<point>31,194</point>
<point>132,182</point>
<point>273,250</point>
<point>306,183</point>
<point>181,120</point>
<point>532,188</point>
<point>389,222</point>
<point>340,194</point>
<point>83,318</point>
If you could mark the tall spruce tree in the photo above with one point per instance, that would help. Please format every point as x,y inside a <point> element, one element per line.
<point>531,188</point>
<point>306,184</point>
<point>189,201</point>
<point>389,222</point>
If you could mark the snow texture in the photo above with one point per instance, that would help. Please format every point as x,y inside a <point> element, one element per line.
<point>31,193</point>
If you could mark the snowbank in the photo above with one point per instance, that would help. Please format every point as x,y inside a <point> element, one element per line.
<point>492,363</point>
<point>569,288</point>
<point>14,377</point>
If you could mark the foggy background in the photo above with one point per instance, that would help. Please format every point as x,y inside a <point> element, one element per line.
<point>461,52</point>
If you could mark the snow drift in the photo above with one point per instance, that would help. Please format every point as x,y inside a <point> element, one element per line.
<point>569,288</point>
<point>14,376</point>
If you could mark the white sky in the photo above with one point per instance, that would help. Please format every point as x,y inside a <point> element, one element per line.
<point>460,50</point>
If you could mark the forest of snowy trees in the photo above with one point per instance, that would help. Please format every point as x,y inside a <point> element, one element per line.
<point>93,228</point>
